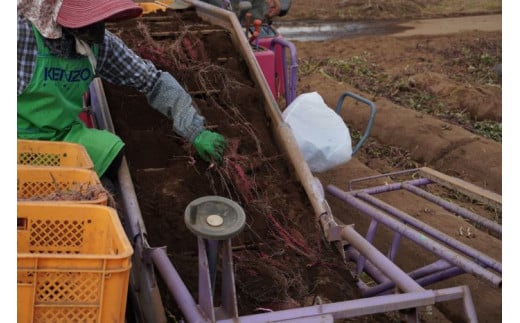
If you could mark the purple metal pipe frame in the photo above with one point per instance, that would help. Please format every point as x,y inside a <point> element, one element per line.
<point>454,243</point>
<point>289,83</point>
<point>388,268</point>
<point>205,310</point>
<point>385,265</point>
<point>142,278</point>
<point>367,306</point>
<point>176,286</point>
<point>229,308</point>
<point>387,288</point>
<point>205,289</point>
<point>415,298</point>
<point>454,208</point>
<point>424,276</point>
<point>488,262</point>
<point>143,284</point>
<point>429,244</point>
<point>369,237</point>
<point>349,309</point>
<point>363,179</point>
<point>369,268</point>
<point>411,186</point>
<point>352,254</point>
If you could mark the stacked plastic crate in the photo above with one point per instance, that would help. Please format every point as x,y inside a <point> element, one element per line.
<point>74,258</point>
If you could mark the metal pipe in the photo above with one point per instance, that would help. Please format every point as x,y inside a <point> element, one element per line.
<point>371,233</point>
<point>436,266</point>
<point>394,246</point>
<point>290,86</point>
<point>454,208</point>
<point>469,307</point>
<point>143,283</point>
<point>361,179</point>
<point>384,283</point>
<point>228,292</point>
<point>441,275</point>
<point>347,309</point>
<point>212,250</point>
<point>392,186</point>
<point>401,279</point>
<point>205,289</point>
<point>459,292</point>
<point>176,286</point>
<point>417,237</point>
<point>411,186</point>
<point>371,118</point>
<point>424,276</point>
<point>470,190</point>
<point>454,243</point>
<point>369,268</point>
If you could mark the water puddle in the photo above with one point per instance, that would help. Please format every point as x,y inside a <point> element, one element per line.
<point>315,30</point>
<point>319,30</point>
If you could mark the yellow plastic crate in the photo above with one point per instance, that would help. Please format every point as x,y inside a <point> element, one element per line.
<point>60,184</point>
<point>53,153</point>
<point>73,263</point>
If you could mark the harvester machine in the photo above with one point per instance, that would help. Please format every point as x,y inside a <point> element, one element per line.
<point>217,287</point>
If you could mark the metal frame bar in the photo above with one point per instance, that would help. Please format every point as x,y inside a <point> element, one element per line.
<point>371,118</point>
<point>455,257</point>
<point>412,297</point>
<point>143,285</point>
<point>289,83</point>
<point>468,265</point>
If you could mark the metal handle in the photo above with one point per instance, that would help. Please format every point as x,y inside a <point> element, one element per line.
<point>370,119</point>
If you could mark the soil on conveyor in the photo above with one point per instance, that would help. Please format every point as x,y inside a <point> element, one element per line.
<point>281,259</point>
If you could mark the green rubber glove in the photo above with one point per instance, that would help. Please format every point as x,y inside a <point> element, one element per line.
<point>210,145</point>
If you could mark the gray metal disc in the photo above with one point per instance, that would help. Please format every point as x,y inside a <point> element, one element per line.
<point>214,217</point>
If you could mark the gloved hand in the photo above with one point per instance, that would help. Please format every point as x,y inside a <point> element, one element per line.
<point>210,145</point>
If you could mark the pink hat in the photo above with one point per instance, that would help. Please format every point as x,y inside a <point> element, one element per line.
<point>81,13</point>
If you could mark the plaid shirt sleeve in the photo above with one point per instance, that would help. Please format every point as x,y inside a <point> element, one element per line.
<point>27,52</point>
<point>119,65</point>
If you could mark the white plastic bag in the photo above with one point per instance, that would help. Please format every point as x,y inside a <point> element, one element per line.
<point>321,134</point>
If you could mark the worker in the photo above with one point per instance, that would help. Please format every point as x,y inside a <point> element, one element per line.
<point>259,9</point>
<point>273,9</point>
<point>264,10</point>
<point>62,46</point>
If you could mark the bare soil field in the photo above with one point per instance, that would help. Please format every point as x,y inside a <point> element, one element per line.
<point>439,104</point>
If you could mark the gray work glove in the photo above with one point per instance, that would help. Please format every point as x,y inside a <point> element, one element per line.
<point>168,97</point>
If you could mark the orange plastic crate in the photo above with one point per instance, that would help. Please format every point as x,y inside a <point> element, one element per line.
<point>73,263</point>
<point>53,153</point>
<point>60,184</point>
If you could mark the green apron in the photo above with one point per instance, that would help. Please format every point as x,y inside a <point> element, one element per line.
<point>49,107</point>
